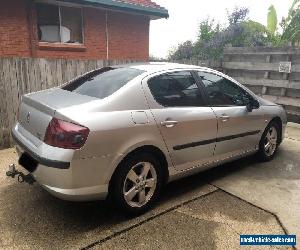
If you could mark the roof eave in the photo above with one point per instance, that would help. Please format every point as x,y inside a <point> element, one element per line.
<point>154,13</point>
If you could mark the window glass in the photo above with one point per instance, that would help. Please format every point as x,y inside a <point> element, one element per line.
<point>71,24</point>
<point>223,92</point>
<point>102,83</point>
<point>59,24</point>
<point>176,89</point>
<point>48,23</point>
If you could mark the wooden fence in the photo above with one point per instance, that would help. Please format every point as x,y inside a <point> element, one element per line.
<point>259,69</point>
<point>19,76</point>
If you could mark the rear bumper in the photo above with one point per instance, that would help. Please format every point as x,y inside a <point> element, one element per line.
<point>62,176</point>
<point>41,160</point>
<point>79,194</point>
<point>44,154</point>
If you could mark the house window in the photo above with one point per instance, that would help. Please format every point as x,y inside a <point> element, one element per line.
<point>59,24</point>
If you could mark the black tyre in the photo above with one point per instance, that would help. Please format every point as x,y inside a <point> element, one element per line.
<point>136,184</point>
<point>269,142</point>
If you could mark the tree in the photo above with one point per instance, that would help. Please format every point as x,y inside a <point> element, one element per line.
<point>238,15</point>
<point>183,51</point>
<point>207,30</point>
<point>240,32</point>
<point>206,47</point>
<point>153,58</point>
<point>255,34</point>
<point>291,25</point>
<point>291,12</point>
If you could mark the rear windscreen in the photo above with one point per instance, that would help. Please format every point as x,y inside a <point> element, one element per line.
<point>103,82</point>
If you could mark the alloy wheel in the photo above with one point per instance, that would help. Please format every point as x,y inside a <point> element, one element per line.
<point>270,142</point>
<point>140,184</point>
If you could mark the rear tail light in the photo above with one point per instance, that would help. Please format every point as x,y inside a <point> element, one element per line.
<point>64,134</point>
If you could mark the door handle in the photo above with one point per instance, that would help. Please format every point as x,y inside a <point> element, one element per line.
<point>224,118</point>
<point>169,124</point>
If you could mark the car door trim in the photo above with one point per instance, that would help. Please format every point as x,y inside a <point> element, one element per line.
<point>194,144</point>
<point>230,137</point>
<point>225,138</point>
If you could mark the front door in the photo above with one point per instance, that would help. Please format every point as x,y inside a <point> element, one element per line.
<point>188,126</point>
<point>239,130</point>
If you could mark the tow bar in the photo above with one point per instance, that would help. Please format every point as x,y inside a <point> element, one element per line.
<point>13,172</point>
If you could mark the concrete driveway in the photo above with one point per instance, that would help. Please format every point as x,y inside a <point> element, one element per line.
<point>274,186</point>
<point>206,211</point>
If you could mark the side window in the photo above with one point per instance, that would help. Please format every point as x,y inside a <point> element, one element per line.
<point>177,89</point>
<point>223,92</point>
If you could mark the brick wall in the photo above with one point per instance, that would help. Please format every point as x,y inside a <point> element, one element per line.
<point>128,34</point>
<point>14,33</point>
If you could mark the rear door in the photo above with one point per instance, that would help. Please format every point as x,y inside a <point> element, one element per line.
<point>238,129</point>
<point>188,126</point>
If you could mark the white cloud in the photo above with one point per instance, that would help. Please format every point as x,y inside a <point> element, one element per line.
<point>186,15</point>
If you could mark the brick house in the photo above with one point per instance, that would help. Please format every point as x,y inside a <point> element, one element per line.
<point>77,29</point>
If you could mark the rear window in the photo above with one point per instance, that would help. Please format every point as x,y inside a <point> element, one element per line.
<point>103,82</point>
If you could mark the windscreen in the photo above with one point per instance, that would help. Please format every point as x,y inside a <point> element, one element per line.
<point>103,82</point>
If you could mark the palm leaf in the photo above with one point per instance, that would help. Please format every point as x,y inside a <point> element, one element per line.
<point>292,31</point>
<point>272,19</point>
<point>295,2</point>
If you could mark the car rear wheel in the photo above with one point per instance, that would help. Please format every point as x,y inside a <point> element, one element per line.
<point>136,184</point>
<point>269,142</point>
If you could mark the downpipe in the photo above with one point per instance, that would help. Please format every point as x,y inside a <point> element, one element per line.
<point>21,177</point>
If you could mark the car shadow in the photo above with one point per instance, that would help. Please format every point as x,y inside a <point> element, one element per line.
<point>226,169</point>
<point>284,166</point>
<point>30,213</point>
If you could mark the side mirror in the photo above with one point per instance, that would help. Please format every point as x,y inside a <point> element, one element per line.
<point>253,104</point>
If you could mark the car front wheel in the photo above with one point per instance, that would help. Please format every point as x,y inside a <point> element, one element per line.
<point>269,142</point>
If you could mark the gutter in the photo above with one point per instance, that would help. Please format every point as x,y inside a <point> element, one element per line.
<point>155,13</point>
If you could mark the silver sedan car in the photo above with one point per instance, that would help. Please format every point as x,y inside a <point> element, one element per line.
<point>125,131</point>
